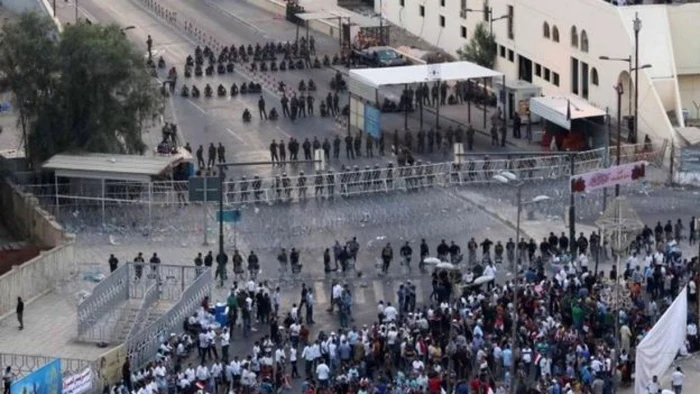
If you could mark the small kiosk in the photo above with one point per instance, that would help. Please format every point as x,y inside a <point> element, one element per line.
<point>517,98</point>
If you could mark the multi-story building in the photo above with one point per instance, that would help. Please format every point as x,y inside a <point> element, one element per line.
<point>557,44</point>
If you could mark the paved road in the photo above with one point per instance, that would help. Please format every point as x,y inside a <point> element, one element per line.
<point>202,121</point>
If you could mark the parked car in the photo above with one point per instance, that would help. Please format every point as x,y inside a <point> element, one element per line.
<point>379,57</point>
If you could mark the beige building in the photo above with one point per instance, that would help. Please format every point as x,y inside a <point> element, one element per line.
<point>557,44</point>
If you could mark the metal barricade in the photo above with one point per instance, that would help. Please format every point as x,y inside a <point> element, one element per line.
<point>22,365</point>
<point>143,345</point>
<point>150,298</point>
<point>106,298</point>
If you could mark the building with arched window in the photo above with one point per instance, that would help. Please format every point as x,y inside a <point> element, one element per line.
<point>531,47</point>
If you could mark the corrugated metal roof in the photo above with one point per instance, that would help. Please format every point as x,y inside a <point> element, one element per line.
<point>101,163</point>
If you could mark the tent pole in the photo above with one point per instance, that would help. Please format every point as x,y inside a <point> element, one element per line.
<point>103,202</point>
<point>150,202</point>
<point>405,106</point>
<point>469,102</point>
<point>486,97</point>
<point>55,188</point>
<point>437,108</point>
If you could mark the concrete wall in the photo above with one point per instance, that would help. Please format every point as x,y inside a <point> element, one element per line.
<point>689,86</point>
<point>22,215</point>
<point>36,277</point>
<point>279,8</point>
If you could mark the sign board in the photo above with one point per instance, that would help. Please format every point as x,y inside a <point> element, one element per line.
<point>229,216</point>
<point>204,188</point>
<point>45,380</point>
<point>607,177</point>
<point>373,121</point>
<point>78,383</point>
<point>434,72</point>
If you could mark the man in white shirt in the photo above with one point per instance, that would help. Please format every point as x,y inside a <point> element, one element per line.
<point>653,386</point>
<point>336,293</point>
<point>390,313</point>
<point>224,339</point>
<point>677,378</point>
<point>308,355</point>
<point>202,374</point>
<point>293,361</point>
<point>323,374</point>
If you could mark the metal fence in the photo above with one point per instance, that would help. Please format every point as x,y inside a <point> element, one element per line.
<point>105,300</point>
<point>464,171</point>
<point>149,300</point>
<point>143,345</point>
<point>23,365</point>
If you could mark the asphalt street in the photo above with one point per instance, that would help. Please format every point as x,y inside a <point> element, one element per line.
<point>203,121</point>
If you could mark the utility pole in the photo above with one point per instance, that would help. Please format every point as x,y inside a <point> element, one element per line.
<point>620,90</point>
<point>637,28</point>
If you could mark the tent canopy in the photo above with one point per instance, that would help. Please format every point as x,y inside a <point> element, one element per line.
<point>376,77</point>
<point>555,109</point>
<point>112,167</point>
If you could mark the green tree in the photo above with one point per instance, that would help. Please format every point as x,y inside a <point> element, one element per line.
<point>85,89</point>
<point>481,48</point>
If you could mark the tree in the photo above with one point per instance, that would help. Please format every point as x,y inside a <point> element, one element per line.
<point>85,89</point>
<point>481,48</point>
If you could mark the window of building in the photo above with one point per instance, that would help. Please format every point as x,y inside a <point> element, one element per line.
<point>538,70</point>
<point>545,30</point>
<point>511,28</point>
<point>594,76</point>
<point>463,31</point>
<point>584,41</point>
<point>574,76</point>
<point>511,55</point>
<point>555,79</point>
<point>584,80</point>
<point>442,3</point>
<point>574,37</point>
<point>402,3</point>
<point>555,34</point>
<point>502,51</point>
<point>546,74</point>
<point>442,21</point>
<point>421,10</point>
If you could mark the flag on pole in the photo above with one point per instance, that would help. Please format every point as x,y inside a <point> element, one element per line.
<point>568,109</point>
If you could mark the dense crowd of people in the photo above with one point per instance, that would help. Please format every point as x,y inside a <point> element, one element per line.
<point>558,335</point>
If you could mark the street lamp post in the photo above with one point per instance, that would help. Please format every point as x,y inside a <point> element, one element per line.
<point>620,90</point>
<point>507,177</point>
<point>637,27</point>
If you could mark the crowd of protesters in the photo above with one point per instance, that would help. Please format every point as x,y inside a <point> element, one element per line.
<point>564,341</point>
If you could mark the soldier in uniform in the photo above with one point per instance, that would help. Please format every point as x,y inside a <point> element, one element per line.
<point>301,186</point>
<point>244,189</point>
<point>326,146</point>
<point>357,144</point>
<point>330,180</point>
<point>336,147</point>
<point>287,185</point>
<point>318,183</point>
<point>306,146</point>
<point>282,151</point>
<point>257,184</point>
<point>368,146</point>
<point>431,140</point>
<point>349,152</point>
<point>302,105</point>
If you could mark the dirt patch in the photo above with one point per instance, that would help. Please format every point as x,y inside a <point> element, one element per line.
<point>10,258</point>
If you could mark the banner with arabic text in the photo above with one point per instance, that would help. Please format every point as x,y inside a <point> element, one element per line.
<point>607,177</point>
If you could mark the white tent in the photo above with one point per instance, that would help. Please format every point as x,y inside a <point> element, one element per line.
<point>555,109</point>
<point>453,71</point>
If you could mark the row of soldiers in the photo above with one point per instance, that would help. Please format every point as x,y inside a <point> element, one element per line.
<point>353,144</point>
<point>300,106</point>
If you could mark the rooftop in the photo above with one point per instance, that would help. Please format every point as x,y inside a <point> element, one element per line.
<point>109,166</point>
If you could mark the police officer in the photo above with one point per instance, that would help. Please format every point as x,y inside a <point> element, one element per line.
<point>310,104</point>
<point>211,157</point>
<point>306,146</point>
<point>368,146</point>
<point>113,263</point>
<point>349,152</point>
<point>336,147</point>
<point>302,105</point>
<point>200,157</point>
<point>261,108</point>
<point>282,151</point>
<point>284,101</point>
<point>357,144</point>
<point>326,149</point>
<point>221,153</point>
<point>273,152</point>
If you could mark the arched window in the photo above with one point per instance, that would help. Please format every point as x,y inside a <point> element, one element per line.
<point>584,41</point>
<point>555,34</point>
<point>545,30</point>
<point>594,76</point>
<point>574,37</point>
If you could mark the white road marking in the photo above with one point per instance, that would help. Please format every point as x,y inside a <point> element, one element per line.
<point>283,132</point>
<point>238,137</point>
<point>359,295</point>
<point>197,106</point>
<point>378,287</point>
<point>320,292</point>
<point>236,17</point>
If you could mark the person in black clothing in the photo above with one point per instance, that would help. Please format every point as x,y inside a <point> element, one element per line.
<point>582,244</point>
<point>261,108</point>
<point>349,151</point>
<point>486,248</point>
<point>200,157</point>
<point>336,100</point>
<point>310,104</point>
<point>221,153</point>
<point>209,260</point>
<point>211,157</point>
<point>692,236</point>
<point>149,44</point>
<point>658,232</point>
<point>516,126</point>
<point>284,101</point>
<point>563,242</point>
<point>545,248</point>
<point>553,241</point>
<point>306,146</point>
<point>20,312</point>
<point>336,147</point>
<point>668,230</point>
<point>273,152</point>
<point>443,250</point>
<point>113,263</point>
<point>198,263</point>
<point>531,250</point>
<point>329,104</point>
<point>326,146</point>
<point>510,250</point>
<point>138,266</point>
<point>282,150</point>
<point>455,252</point>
